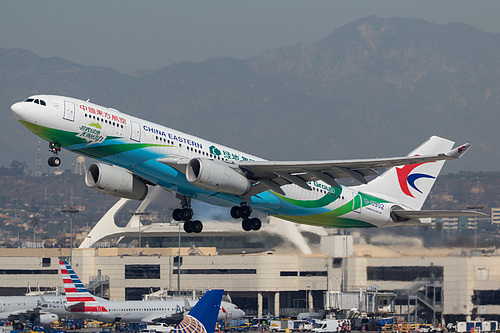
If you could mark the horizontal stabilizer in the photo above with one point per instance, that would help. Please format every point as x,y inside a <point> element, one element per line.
<point>76,307</point>
<point>411,214</point>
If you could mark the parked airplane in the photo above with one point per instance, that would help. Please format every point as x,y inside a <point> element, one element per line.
<point>202,318</point>
<point>82,303</point>
<point>46,309</point>
<point>137,153</point>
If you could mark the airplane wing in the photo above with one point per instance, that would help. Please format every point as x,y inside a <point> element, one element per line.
<point>273,175</point>
<point>174,318</point>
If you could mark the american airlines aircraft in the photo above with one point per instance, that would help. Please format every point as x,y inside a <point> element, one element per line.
<point>79,301</point>
<point>46,309</point>
<point>137,153</point>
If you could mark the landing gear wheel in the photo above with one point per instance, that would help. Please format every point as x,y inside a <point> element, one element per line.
<point>235,212</point>
<point>54,161</point>
<point>187,227</point>
<point>244,211</point>
<point>245,224</point>
<point>176,214</point>
<point>196,226</point>
<point>255,223</point>
<point>186,214</point>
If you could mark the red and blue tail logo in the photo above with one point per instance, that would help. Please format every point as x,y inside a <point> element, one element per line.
<point>78,298</point>
<point>406,178</point>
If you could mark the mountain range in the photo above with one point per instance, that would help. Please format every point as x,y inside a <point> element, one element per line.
<point>376,87</point>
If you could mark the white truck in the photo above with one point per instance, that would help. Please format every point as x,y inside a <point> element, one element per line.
<point>158,328</point>
<point>332,326</point>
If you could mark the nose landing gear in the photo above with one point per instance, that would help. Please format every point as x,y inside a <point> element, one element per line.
<point>55,148</point>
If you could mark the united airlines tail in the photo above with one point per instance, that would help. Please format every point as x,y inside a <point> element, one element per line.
<point>410,185</point>
<point>202,317</point>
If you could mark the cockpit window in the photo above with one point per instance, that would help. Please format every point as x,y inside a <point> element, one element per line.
<point>36,101</point>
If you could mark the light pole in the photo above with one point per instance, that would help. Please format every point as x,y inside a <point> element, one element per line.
<point>140,223</point>
<point>475,207</point>
<point>70,211</point>
<point>179,264</point>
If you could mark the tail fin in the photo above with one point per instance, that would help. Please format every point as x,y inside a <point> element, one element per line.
<point>202,317</point>
<point>410,185</point>
<point>78,298</point>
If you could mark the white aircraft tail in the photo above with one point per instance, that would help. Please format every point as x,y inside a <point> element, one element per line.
<point>78,298</point>
<point>410,185</point>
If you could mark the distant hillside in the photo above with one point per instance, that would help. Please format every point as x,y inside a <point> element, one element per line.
<point>373,88</point>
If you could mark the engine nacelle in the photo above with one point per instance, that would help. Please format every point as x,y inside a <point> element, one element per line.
<point>48,318</point>
<point>113,180</point>
<point>216,176</point>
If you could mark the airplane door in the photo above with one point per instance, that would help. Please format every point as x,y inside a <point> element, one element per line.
<point>356,203</point>
<point>135,131</point>
<point>69,111</point>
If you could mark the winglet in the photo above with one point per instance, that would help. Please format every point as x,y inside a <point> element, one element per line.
<point>459,151</point>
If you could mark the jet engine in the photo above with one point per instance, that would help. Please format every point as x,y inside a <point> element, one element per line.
<point>48,318</point>
<point>216,176</point>
<point>115,181</point>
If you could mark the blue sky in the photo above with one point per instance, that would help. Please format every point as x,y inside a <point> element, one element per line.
<point>131,35</point>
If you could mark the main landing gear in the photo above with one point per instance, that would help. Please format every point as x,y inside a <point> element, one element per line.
<point>243,211</point>
<point>186,214</point>
<point>55,148</point>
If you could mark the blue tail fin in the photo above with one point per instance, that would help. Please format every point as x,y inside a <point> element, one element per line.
<point>202,317</point>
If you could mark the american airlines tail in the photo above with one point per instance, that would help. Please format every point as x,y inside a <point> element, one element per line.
<point>410,185</point>
<point>78,298</point>
<point>202,317</point>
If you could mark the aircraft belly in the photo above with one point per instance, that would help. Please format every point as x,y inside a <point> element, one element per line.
<point>326,211</point>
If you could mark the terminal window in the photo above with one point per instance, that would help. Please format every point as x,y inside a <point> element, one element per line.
<point>28,271</point>
<point>486,297</point>
<point>217,271</point>
<point>135,294</point>
<point>313,273</point>
<point>403,273</point>
<point>142,271</point>
<point>45,262</point>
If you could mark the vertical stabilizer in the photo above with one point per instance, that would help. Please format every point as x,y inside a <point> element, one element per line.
<point>409,185</point>
<point>202,317</point>
<point>78,298</point>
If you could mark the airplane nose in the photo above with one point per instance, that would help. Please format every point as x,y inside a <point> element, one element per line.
<point>16,108</point>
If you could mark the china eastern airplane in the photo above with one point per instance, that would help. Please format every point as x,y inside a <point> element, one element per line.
<point>136,153</point>
<point>82,303</point>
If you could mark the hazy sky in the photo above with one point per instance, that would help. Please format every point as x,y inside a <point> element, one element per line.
<point>130,35</point>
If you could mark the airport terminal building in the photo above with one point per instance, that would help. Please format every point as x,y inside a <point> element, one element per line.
<point>421,284</point>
